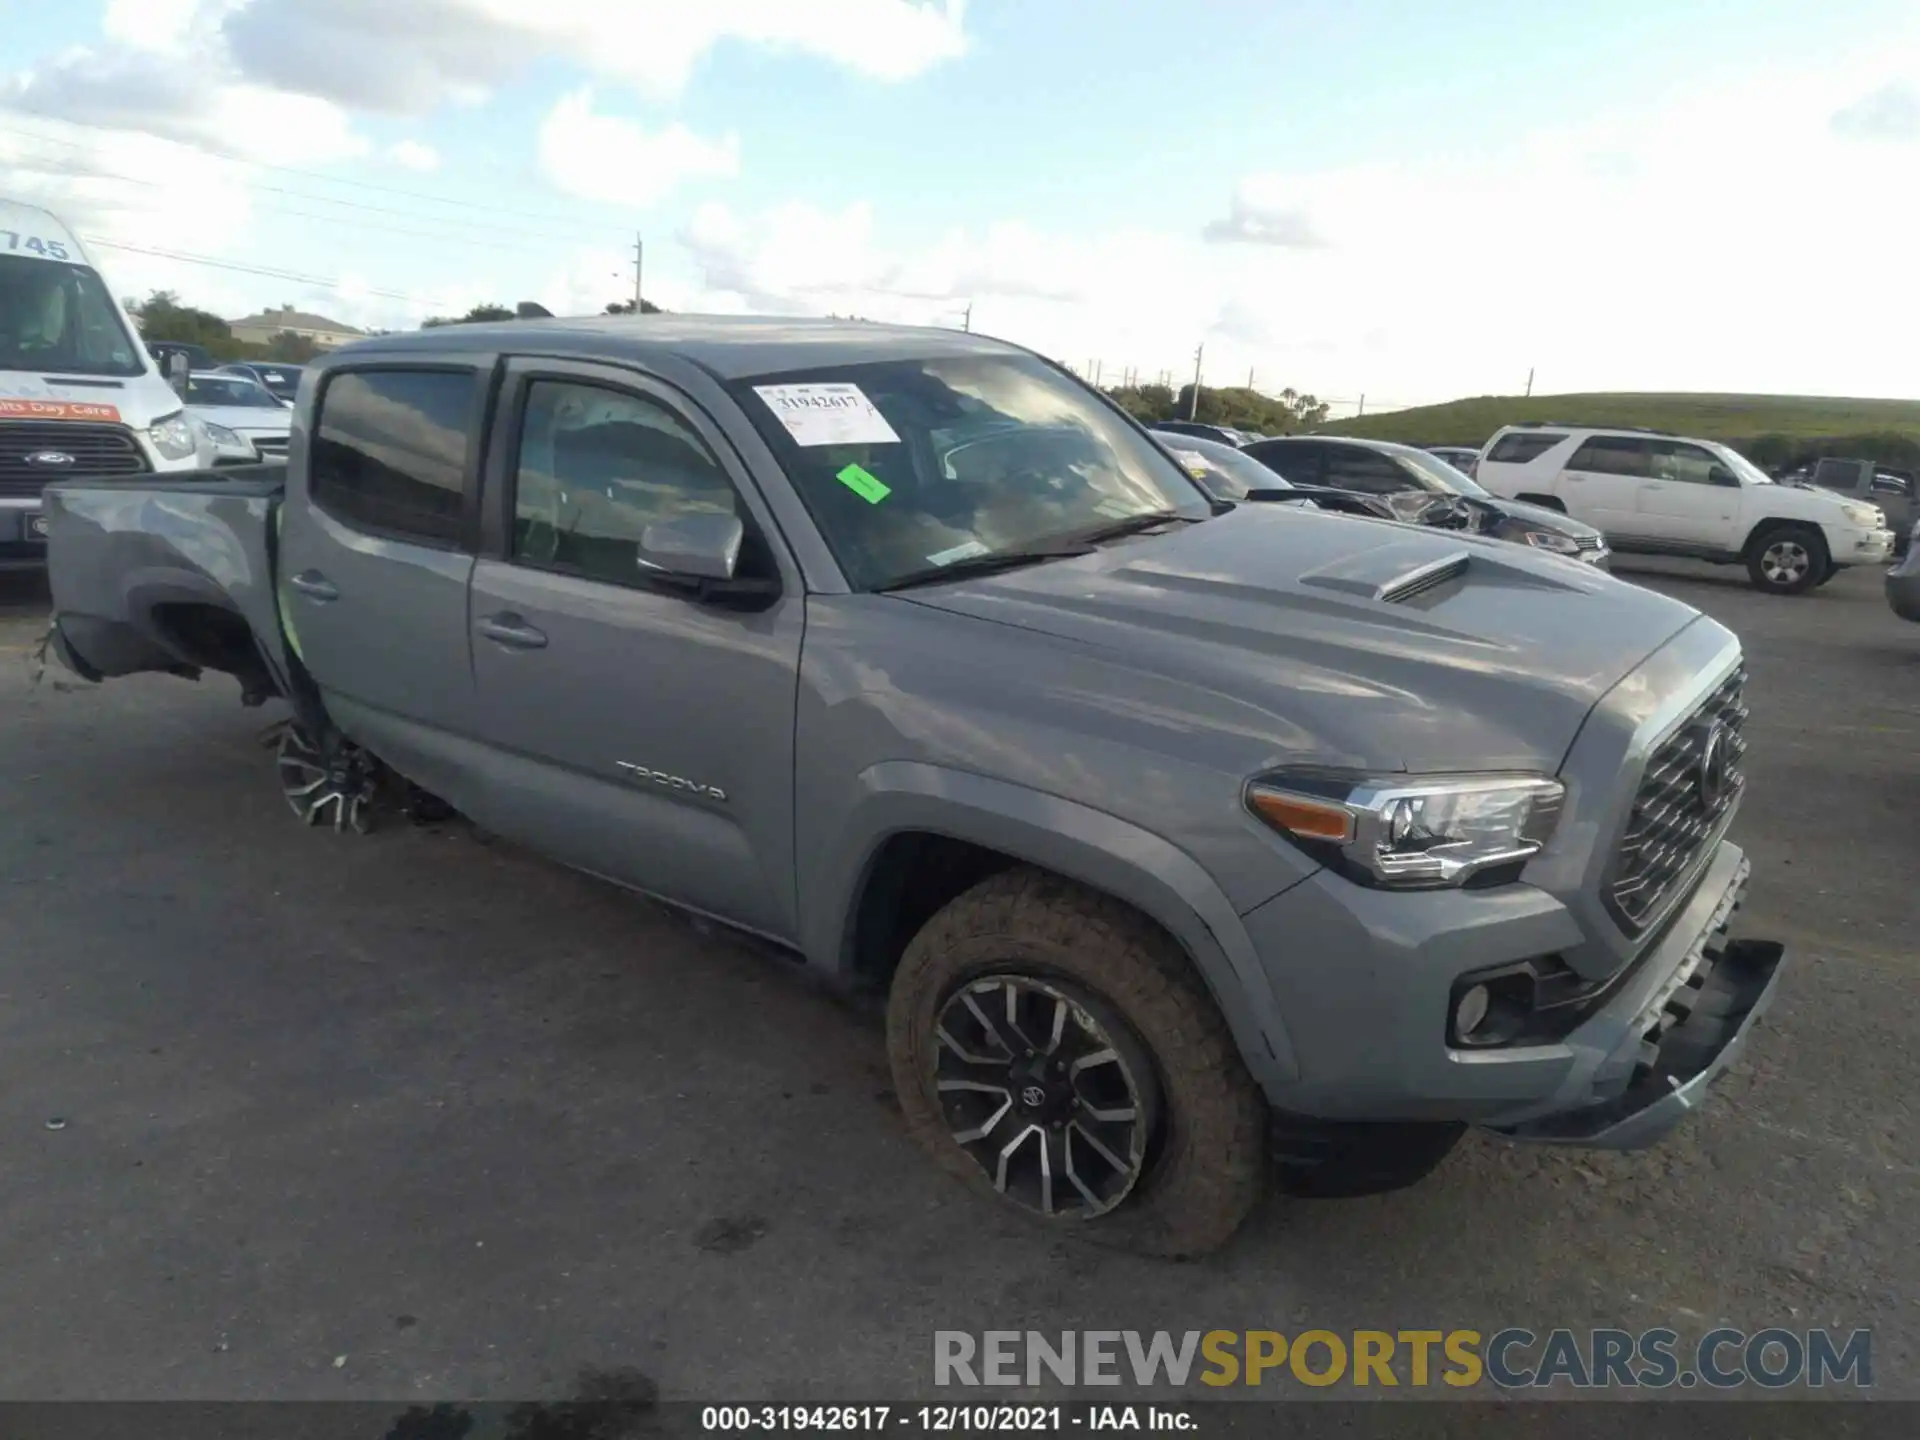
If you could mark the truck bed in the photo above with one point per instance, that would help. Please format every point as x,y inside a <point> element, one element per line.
<point>172,574</point>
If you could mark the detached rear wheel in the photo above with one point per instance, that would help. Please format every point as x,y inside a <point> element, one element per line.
<point>1054,1049</point>
<point>337,786</point>
<point>1787,559</point>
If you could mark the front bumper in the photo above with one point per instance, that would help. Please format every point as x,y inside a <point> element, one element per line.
<point>1903,587</point>
<point>1863,547</point>
<point>23,534</point>
<point>1369,1018</point>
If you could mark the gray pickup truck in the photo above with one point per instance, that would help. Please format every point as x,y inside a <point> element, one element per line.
<point>1193,845</point>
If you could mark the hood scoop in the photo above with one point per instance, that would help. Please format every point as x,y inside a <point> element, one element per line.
<point>1391,574</point>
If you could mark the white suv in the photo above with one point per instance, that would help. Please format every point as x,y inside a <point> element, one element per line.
<point>1669,495</point>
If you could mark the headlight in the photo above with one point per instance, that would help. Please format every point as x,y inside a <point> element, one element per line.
<point>223,437</point>
<point>1870,516</point>
<point>1410,833</point>
<point>1547,540</point>
<point>172,436</point>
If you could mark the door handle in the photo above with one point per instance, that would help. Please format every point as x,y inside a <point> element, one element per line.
<point>314,585</point>
<point>512,631</point>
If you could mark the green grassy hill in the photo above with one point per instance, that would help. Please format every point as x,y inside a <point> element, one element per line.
<point>1784,422</point>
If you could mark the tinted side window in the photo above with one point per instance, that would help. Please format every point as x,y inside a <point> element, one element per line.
<point>1353,467</point>
<point>390,451</point>
<point>1891,482</point>
<point>1673,460</point>
<point>1612,455</point>
<point>596,467</point>
<point>1520,446</point>
<point>1294,460</point>
<point>1836,474</point>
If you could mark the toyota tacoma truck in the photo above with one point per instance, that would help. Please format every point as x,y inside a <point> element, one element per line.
<point>1195,846</point>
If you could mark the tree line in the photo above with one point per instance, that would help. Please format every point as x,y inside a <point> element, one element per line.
<point>1234,406</point>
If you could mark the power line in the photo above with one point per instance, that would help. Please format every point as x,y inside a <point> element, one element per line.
<point>49,168</point>
<point>228,157</point>
<point>288,275</point>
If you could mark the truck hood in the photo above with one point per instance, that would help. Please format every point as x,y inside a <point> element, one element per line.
<point>247,419</point>
<point>135,401</point>
<point>1365,643</point>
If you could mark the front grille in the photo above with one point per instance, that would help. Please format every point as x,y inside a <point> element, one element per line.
<point>1588,542</point>
<point>272,447</point>
<point>1679,806</point>
<point>96,450</point>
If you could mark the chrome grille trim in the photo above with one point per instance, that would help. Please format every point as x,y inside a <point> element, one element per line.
<point>1672,825</point>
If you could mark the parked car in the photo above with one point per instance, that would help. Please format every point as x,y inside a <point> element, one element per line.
<point>238,411</point>
<point>1903,581</point>
<point>1462,457</point>
<point>1422,489</point>
<point>1173,831</point>
<point>1224,434</point>
<point>282,381</point>
<point>1662,494</point>
<point>79,394</point>
<point>1874,482</point>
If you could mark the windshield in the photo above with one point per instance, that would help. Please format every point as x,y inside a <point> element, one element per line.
<point>229,390</point>
<point>1223,472</point>
<point>1437,473</point>
<point>1749,473</point>
<point>60,319</point>
<point>907,464</point>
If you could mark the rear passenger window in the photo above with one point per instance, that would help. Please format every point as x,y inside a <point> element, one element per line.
<point>1350,467</point>
<point>1612,455</point>
<point>390,451</point>
<point>1519,446</point>
<point>596,468</point>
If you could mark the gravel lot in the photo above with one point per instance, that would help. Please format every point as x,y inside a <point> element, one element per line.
<point>474,1123</point>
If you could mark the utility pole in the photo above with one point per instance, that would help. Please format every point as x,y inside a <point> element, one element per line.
<point>1193,403</point>
<point>1249,377</point>
<point>639,251</point>
<point>1529,381</point>
<point>966,318</point>
<point>1363,404</point>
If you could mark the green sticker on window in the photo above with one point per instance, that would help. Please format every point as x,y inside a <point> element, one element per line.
<point>866,486</point>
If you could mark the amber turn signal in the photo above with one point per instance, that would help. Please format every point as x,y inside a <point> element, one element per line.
<point>1308,819</point>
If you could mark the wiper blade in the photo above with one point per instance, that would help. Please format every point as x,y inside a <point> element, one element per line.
<point>982,565</point>
<point>1134,524</point>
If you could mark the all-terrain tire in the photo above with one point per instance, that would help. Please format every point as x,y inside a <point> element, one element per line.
<point>1206,1163</point>
<point>1787,559</point>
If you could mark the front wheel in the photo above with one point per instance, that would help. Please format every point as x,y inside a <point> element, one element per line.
<point>1787,559</point>
<point>1053,1048</point>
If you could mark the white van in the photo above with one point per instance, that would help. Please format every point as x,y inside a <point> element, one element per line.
<point>1661,494</point>
<point>79,395</point>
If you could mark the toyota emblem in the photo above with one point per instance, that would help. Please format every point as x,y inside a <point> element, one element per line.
<point>50,458</point>
<point>1716,772</point>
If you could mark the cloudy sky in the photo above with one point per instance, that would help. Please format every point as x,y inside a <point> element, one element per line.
<point>1408,201</point>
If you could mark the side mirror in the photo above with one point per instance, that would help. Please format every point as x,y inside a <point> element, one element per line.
<point>704,545</point>
<point>178,368</point>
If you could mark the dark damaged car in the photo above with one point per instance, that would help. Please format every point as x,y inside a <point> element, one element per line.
<point>1186,840</point>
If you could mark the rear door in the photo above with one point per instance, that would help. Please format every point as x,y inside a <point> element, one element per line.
<point>1681,499</point>
<point>375,557</point>
<point>633,729</point>
<point>1601,484</point>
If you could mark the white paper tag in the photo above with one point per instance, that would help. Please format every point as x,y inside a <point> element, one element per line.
<point>827,414</point>
<point>958,552</point>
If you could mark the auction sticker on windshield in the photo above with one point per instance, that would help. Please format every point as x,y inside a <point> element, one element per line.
<point>827,414</point>
<point>57,410</point>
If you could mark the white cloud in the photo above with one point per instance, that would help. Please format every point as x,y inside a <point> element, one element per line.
<point>409,58</point>
<point>1890,113</point>
<point>605,157</point>
<point>413,155</point>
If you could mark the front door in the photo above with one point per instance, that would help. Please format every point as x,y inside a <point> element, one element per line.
<point>633,729</point>
<point>1681,501</point>
<point>1601,485</point>
<point>374,559</point>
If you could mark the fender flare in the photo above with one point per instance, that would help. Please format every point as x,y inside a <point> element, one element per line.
<point>1099,850</point>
